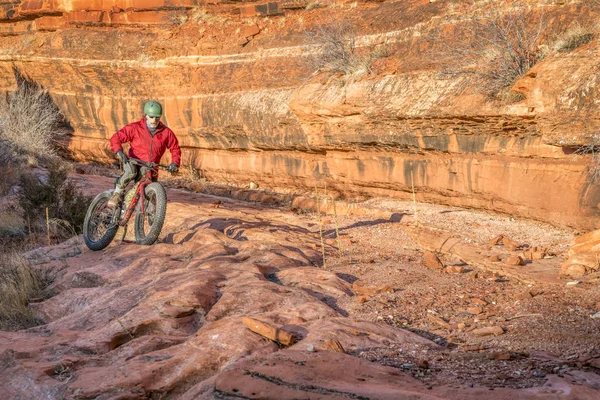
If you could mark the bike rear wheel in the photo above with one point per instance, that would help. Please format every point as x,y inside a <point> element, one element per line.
<point>147,226</point>
<point>98,226</point>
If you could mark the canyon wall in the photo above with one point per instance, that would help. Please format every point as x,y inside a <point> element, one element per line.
<point>237,85</point>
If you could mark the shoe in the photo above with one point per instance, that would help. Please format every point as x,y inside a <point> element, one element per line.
<point>114,200</point>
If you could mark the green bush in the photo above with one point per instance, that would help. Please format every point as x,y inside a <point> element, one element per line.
<point>65,203</point>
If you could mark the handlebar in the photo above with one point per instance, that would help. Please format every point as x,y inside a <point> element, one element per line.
<point>148,164</point>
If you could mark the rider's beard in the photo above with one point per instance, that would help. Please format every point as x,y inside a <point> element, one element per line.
<point>152,123</point>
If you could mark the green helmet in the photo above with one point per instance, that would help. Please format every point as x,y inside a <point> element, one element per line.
<point>153,109</point>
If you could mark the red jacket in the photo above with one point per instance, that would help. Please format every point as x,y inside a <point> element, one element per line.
<point>145,147</point>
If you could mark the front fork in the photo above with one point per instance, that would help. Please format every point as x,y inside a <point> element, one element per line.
<point>134,201</point>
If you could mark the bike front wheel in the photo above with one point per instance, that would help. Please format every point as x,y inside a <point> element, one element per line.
<point>147,226</point>
<point>100,225</point>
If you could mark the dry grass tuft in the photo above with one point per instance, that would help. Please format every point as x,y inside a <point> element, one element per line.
<point>18,284</point>
<point>30,122</point>
<point>12,225</point>
<point>570,39</point>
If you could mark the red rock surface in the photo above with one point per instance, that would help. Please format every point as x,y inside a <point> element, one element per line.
<point>238,92</point>
<point>166,320</point>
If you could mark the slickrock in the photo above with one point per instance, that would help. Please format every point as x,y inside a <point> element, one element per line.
<point>300,374</point>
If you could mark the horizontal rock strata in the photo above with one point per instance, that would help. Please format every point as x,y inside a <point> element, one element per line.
<point>246,105</point>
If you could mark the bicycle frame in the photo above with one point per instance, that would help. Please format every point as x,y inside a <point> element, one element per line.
<point>147,169</point>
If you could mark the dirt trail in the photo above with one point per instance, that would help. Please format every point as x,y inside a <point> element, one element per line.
<point>166,321</point>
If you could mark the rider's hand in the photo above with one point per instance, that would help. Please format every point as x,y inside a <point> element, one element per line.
<point>122,156</point>
<point>173,167</point>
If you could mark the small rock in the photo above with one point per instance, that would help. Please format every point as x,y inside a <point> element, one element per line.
<point>489,330</point>
<point>437,320</point>
<point>535,292</point>
<point>475,300</point>
<point>454,269</point>
<point>462,325</point>
<point>473,275</point>
<point>510,244</point>
<point>515,260</point>
<point>494,258</point>
<point>496,240</point>
<point>573,270</point>
<point>534,255</point>
<point>475,310</point>
<point>432,261</point>
<point>310,348</point>
<point>597,315</point>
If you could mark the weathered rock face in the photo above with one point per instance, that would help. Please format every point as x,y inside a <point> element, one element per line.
<point>241,97</point>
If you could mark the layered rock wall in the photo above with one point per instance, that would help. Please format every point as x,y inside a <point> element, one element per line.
<point>247,106</point>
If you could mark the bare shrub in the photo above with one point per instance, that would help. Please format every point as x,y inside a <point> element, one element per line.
<point>592,148</point>
<point>175,18</point>
<point>18,284</point>
<point>497,48</point>
<point>65,203</point>
<point>337,50</point>
<point>29,120</point>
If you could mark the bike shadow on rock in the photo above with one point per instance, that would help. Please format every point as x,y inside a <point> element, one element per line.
<point>395,218</point>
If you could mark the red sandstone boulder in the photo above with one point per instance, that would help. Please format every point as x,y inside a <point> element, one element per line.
<point>432,261</point>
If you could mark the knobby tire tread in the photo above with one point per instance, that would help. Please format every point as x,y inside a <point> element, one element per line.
<point>159,216</point>
<point>105,240</point>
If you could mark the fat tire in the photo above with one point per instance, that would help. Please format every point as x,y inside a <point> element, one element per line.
<point>92,211</point>
<point>157,191</point>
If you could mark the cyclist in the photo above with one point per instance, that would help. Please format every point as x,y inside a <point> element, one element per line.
<point>148,140</point>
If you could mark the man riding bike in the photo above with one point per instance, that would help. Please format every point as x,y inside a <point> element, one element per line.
<point>148,139</point>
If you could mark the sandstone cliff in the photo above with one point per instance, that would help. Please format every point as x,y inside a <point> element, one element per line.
<point>247,106</point>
